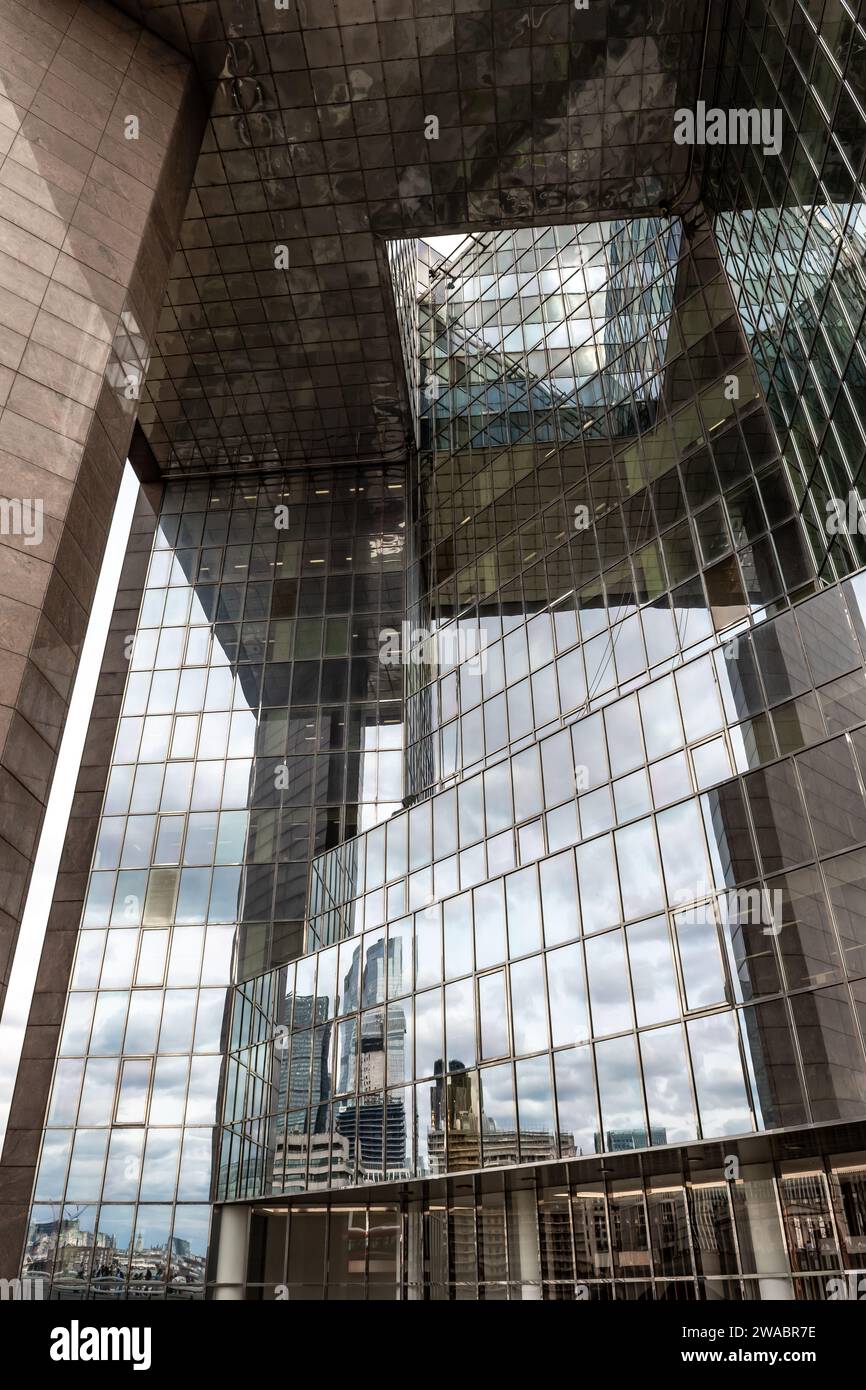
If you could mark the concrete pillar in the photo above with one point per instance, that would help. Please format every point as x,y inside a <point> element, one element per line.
<point>231,1253</point>
<point>762,1240</point>
<point>524,1243</point>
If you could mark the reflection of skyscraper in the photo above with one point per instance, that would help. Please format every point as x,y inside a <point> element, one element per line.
<point>399,1066</point>
<point>302,1064</point>
<point>459,1139</point>
<point>380,1127</point>
<point>379,1121</point>
<point>309,1071</point>
<point>453,1119</point>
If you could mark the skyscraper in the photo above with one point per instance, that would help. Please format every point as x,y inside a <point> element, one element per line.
<point>464,890</point>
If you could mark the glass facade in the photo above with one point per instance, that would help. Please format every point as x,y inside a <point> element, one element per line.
<point>491,832</point>
<point>676,951</point>
<point>610,542</point>
<point>596,936</point>
<point>791,233</point>
<point>257,727</point>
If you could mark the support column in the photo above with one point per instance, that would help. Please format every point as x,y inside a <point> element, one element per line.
<point>100,125</point>
<point>231,1254</point>
<point>763,1252</point>
<point>523,1245</point>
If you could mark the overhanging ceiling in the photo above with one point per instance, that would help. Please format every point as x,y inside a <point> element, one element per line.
<point>316,143</point>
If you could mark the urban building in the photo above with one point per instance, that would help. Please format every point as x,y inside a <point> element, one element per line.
<point>464,895</point>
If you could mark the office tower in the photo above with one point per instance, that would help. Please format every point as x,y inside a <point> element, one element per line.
<point>463,897</point>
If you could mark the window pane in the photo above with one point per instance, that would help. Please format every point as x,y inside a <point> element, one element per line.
<point>575,1102</point>
<point>608,983</point>
<point>460,1025</point>
<point>668,1092</point>
<point>530,1015</point>
<point>719,1081</point>
<point>493,1014</point>
<point>524,918</point>
<point>132,1097</point>
<point>429,1052</point>
<point>567,993</point>
<point>490,947</point>
<point>623,1124</point>
<point>560,915</point>
<point>656,996</point>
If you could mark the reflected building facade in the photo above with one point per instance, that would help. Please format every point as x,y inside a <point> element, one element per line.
<point>479,901</point>
<point>228,773</point>
<point>617,887</point>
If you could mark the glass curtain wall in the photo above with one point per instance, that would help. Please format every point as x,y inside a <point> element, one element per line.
<point>594,542</point>
<point>792,235</point>
<point>674,952</point>
<point>620,920</point>
<point>258,727</point>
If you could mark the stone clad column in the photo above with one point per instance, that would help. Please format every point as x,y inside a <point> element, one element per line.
<point>100,126</point>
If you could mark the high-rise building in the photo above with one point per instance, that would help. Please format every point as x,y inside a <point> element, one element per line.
<point>464,894</point>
